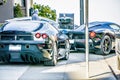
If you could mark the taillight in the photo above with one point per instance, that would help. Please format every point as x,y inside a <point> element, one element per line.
<point>37,35</point>
<point>92,34</point>
<point>44,36</point>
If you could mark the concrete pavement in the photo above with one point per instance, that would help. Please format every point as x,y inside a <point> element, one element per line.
<point>72,69</point>
<point>111,61</point>
<point>100,68</point>
<point>11,72</point>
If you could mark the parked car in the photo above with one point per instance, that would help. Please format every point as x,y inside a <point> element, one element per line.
<point>101,37</point>
<point>66,24</point>
<point>32,41</point>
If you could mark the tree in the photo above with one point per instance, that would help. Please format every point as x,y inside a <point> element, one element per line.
<point>18,11</point>
<point>45,11</point>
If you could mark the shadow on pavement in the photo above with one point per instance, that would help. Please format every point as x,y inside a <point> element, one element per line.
<point>75,57</point>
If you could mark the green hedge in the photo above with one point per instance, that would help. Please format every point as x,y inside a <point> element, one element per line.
<point>1,24</point>
<point>18,11</point>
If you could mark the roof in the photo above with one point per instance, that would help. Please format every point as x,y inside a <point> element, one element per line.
<point>99,23</point>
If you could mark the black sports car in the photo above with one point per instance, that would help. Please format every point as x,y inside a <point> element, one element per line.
<point>101,37</point>
<point>32,41</point>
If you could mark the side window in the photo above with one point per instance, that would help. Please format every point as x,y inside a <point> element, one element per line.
<point>116,27</point>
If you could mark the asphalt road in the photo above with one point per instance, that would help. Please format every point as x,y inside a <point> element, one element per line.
<point>64,70</point>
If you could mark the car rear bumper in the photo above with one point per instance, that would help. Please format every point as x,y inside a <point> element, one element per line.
<point>21,42</point>
<point>22,56</point>
<point>23,52</point>
<point>80,44</point>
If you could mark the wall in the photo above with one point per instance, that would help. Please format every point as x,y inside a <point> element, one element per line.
<point>28,6</point>
<point>6,10</point>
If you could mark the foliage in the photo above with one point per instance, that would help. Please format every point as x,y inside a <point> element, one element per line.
<point>45,11</point>
<point>18,11</point>
<point>0,24</point>
<point>3,2</point>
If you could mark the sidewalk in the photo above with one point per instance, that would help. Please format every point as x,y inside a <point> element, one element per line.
<point>98,70</point>
<point>112,62</point>
<point>74,69</point>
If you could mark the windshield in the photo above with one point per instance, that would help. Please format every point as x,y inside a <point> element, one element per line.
<point>83,27</point>
<point>22,26</point>
<point>66,23</point>
<point>80,28</point>
<point>66,26</point>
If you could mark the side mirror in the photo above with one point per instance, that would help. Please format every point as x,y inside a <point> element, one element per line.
<point>64,31</point>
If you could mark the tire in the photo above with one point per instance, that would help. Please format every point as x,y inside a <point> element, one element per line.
<point>54,53</point>
<point>67,48</point>
<point>105,46</point>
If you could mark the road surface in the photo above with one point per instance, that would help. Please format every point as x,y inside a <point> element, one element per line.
<point>72,69</point>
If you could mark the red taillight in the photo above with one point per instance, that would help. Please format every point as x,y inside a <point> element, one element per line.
<point>92,34</point>
<point>44,36</point>
<point>37,35</point>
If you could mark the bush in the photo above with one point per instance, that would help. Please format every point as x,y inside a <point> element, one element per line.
<point>18,11</point>
<point>1,24</point>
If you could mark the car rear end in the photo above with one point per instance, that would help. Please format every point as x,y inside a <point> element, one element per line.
<point>23,46</point>
<point>78,38</point>
<point>79,41</point>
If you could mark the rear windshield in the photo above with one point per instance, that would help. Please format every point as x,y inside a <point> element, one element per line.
<point>22,26</point>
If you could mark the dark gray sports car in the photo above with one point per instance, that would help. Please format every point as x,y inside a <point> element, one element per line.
<point>32,41</point>
<point>101,37</point>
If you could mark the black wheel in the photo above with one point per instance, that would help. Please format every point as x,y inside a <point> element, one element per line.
<point>105,46</point>
<point>67,48</point>
<point>54,53</point>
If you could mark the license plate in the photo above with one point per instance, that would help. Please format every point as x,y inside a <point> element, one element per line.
<point>80,40</point>
<point>14,47</point>
<point>71,41</point>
